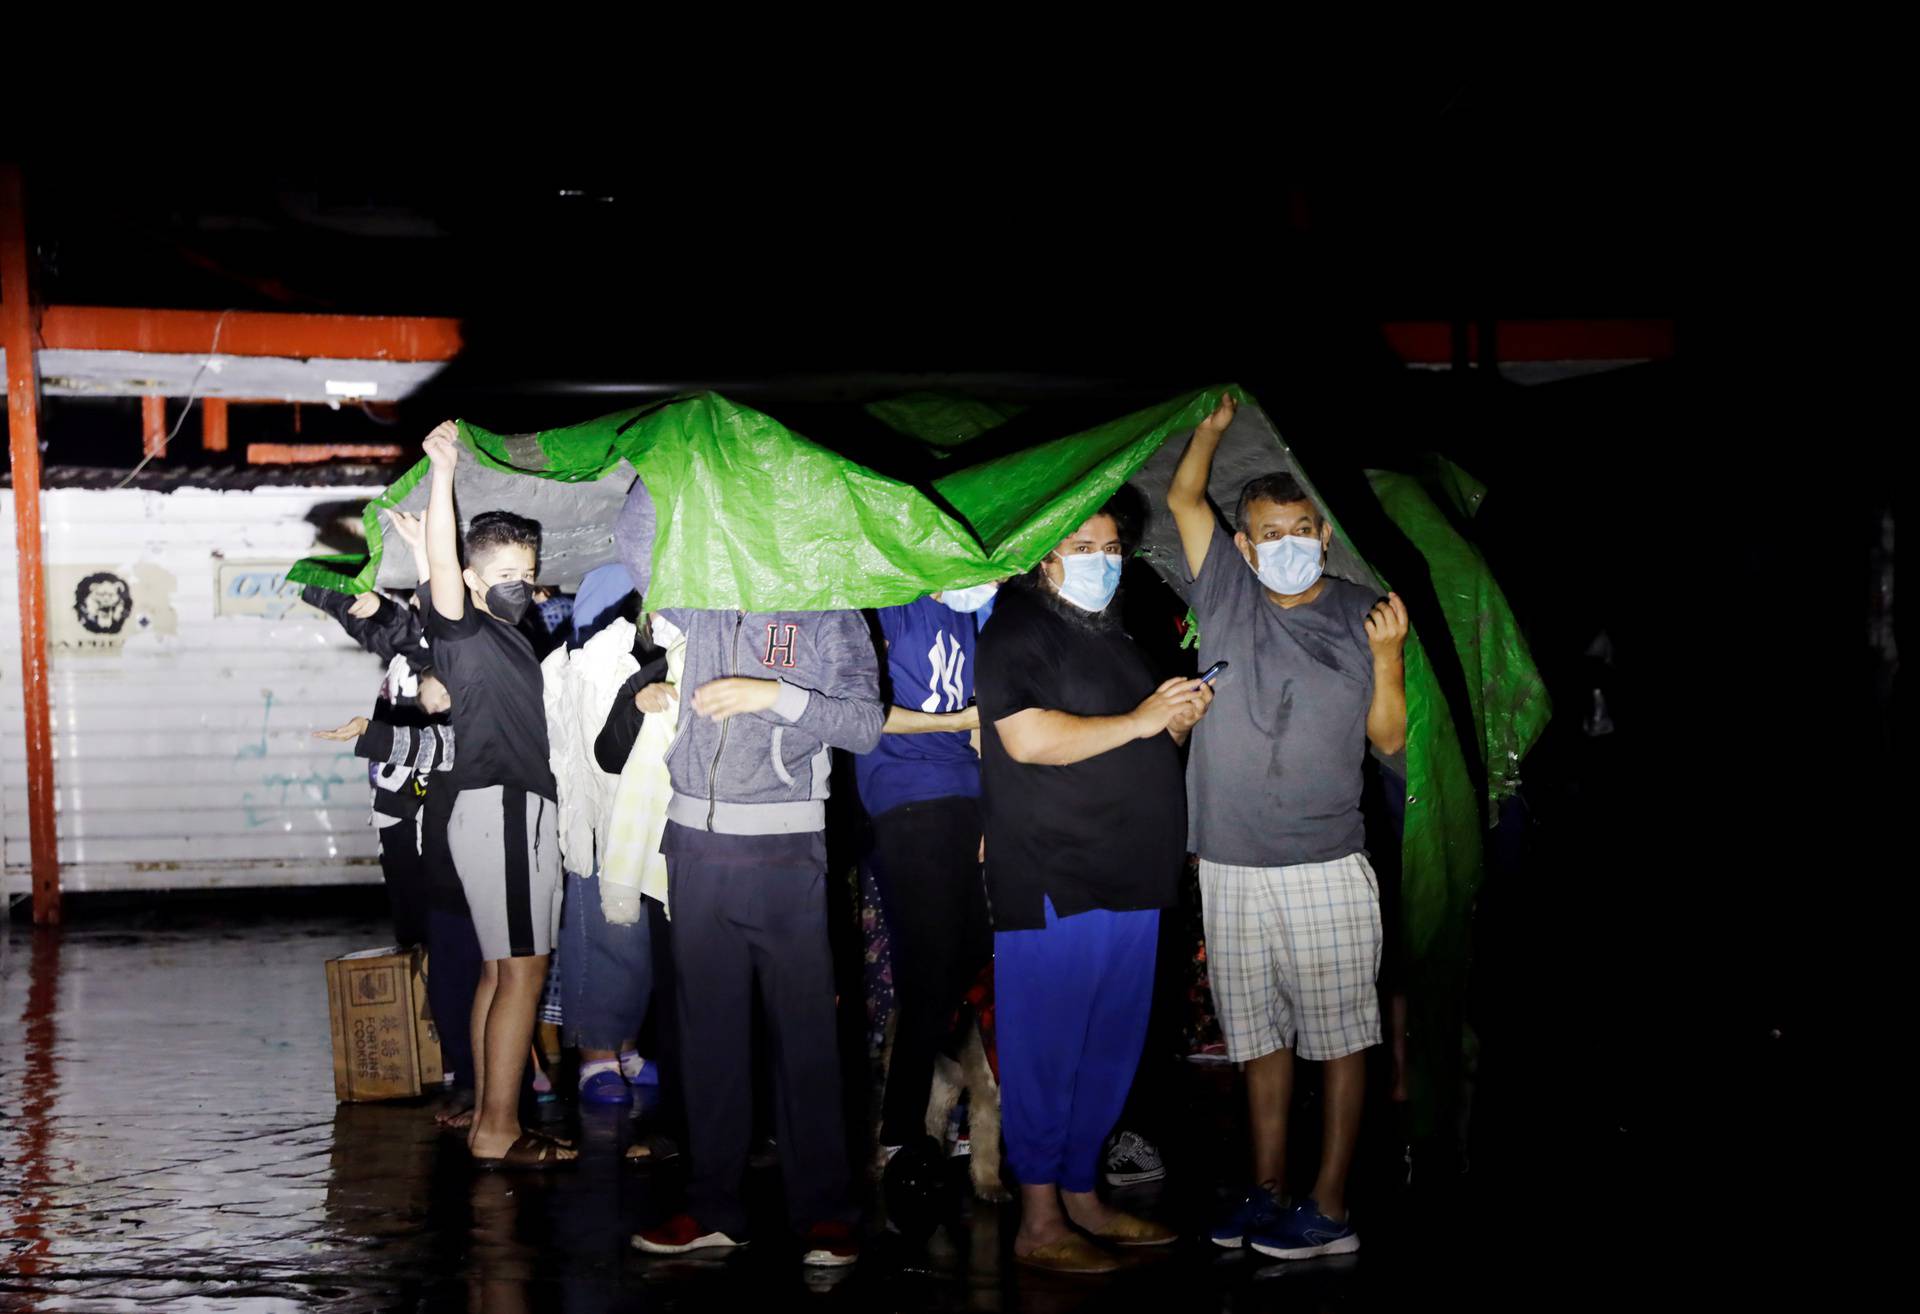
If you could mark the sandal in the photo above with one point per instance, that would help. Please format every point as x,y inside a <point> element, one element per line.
<point>530,1151</point>
<point>446,1126</point>
<point>654,1148</point>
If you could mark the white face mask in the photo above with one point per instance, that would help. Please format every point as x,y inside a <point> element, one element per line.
<point>1089,580</point>
<point>1289,565</point>
<point>971,598</point>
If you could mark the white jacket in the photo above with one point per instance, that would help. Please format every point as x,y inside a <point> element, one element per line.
<point>578,690</point>
<point>631,862</point>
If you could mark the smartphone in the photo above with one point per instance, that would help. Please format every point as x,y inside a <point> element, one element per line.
<point>1213,672</point>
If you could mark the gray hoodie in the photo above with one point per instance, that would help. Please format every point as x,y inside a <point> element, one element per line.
<point>761,773</point>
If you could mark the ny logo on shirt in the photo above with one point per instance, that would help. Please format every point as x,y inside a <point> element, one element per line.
<point>776,645</point>
<point>946,661</point>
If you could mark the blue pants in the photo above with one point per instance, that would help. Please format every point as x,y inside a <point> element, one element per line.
<point>1071,1005</point>
<point>607,981</point>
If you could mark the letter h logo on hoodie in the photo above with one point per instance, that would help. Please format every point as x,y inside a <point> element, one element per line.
<point>776,644</point>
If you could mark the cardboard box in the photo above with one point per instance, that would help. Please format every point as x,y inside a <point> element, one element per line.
<point>384,1043</point>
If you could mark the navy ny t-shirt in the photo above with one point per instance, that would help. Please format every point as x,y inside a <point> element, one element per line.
<point>930,662</point>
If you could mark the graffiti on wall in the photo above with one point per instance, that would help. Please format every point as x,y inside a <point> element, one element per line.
<point>259,589</point>
<point>96,609</point>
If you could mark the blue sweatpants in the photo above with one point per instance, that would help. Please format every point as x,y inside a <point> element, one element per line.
<point>1070,1005</point>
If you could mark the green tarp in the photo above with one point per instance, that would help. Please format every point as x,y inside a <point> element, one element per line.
<point>755,516</point>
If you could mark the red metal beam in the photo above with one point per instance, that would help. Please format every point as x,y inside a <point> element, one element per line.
<point>23,433</point>
<point>153,426</point>
<point>213,424</point>
<point>1429,342</point>
<point>251,333</point>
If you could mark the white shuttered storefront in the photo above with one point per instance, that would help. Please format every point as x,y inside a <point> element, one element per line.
<point>186,683</point>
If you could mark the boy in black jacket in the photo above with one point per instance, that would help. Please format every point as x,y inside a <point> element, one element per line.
<point>502,830</point>
<point>395,634</point>
<point>428,904</point>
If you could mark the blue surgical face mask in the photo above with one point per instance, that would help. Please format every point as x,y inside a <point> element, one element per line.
<point>969,599</point>
<point>1289,565</point>
<point>1089,580</point>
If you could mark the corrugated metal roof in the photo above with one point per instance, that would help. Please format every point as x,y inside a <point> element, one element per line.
<point>162,478</point>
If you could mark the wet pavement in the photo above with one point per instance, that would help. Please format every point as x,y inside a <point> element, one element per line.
<point>171,1141</point>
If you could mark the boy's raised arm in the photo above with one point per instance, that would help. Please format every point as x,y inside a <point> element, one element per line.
<point>449,591</point>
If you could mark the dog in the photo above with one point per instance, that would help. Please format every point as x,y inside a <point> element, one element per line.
<point>974,1069</point>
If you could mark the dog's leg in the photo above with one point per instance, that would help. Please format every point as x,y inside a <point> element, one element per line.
<point>983,1120</point>
<point>948,1081</point>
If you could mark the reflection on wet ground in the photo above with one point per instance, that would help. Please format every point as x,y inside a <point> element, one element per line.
<point>170,1140</point>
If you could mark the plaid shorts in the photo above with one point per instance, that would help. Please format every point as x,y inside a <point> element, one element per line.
<point>1293,954</point>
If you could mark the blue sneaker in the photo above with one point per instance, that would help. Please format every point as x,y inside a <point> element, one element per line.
<point>606,1086</point>
<point>1303,1232</point>
<point>1259,1212</point>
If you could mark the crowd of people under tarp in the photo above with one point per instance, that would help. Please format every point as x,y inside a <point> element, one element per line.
<point>617,820</point>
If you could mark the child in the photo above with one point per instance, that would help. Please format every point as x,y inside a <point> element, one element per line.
<point>394,634</point>
<point>502,830</point>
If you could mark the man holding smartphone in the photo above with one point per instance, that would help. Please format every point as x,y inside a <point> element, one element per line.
<point>1291,906</point>
<point>1085,836</point>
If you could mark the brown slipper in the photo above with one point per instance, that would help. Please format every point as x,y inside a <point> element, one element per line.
<point>1127,1230</point>
<point>1074,1255</point>
<point>530,1151</point>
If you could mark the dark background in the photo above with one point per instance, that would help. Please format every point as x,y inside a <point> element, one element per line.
<point>1676,969</point>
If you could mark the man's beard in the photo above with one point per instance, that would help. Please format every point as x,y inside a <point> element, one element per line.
<point>1104,621</point>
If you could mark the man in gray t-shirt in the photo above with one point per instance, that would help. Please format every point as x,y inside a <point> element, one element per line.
<point>1291,906</point>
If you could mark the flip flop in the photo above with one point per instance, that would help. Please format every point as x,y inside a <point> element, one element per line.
<point>532,1152</point>
<point>563,1142</point>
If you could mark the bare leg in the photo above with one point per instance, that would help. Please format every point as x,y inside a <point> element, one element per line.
<point>1397,1018</point>
<point>482,1005</point>
<point>1088,1210</point>
<point>1346,1094</point>
<point>509,1044</point>
<point>599,1056</point>
<point>1042,1222</point>
<point>1269,1093</point>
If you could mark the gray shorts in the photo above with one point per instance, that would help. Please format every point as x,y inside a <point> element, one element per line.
<point>506,848</point>
<point>1293,955</point>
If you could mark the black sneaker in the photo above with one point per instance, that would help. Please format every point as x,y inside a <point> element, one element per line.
<point>1131,1160</point>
